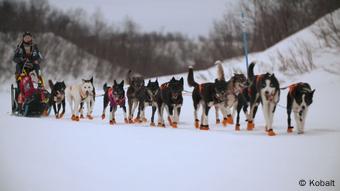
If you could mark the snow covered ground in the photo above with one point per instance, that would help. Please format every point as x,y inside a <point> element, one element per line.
<point>40,154</point>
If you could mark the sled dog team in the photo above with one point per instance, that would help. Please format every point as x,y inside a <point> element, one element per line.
<point>226,96</point>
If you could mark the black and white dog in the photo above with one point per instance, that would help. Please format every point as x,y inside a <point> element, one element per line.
<point>57,98</point>
<point>264,89</point>
<point>115,96</point>
<point>170,99</point>
<point>135,95</point>
<point>299,98</point>
<point>207,95</point>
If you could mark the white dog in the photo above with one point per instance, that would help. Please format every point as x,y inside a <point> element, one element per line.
<point>76,95</point>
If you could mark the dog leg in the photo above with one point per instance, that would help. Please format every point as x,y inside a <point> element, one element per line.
<point>205,121</point>
<point>289,111</point>
<point>272,107</point>
<point>63,111</point>
<point>239,107</point>
<point>152,124</point>
<point>125,114</point>
<point>217,115</point>
<point>130,103</point>
<point>134,106</point>
<point>89,109</point>
<point>111,115</point>
<point>160,115</point>
<point>77,104</point>
<point>224,114</point>
<point>55,110</point>
<point>105,104</point>
<point>302,120</point>
<point>196,107</point>
<point>265,109</point>
<point>298,122</point>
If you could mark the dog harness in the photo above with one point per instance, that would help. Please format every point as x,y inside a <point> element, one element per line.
<point>113,101</point>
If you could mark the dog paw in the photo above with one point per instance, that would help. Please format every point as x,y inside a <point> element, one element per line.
<point>137,120</point>
<point>126,120</point>
<point>204,127</point>
<point>250,125</point>
<point>174,125</point>
<point>230,120</point>
<point>82,116</point>
<point>290,129</point>
<point>112,121</point>
<point>161,125</point>
<point>144,120</point>
<point>89,117</point>
<point>237,127</point>
<point>300,132</point>
<point>197,125</point>
<point>152,124</point>
<point>103,116</point>
<point>225,122</point>
<point>130,121</point>
<point>270,132</point>
<point>218,121</point>
<point>76,118</point>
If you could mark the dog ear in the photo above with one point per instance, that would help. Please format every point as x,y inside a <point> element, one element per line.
<point>91,80</point>
<point>313,92</point>
<point>83,80</point>
<point>122,83</point>
<point>182,81</point>
<point>51,84</point>
<point>114,82</point>
<point>216,80</point>
<point>173,79</point>
<point>149,82</point>
<point>157,82</point>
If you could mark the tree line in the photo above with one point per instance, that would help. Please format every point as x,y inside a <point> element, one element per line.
<point>157,53</point>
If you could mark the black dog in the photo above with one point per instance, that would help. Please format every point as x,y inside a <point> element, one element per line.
<point>150,98</point>
<point>171,99</point>
<point>264,89</point>
<point>242,104</point>
<point>57,97</point>
<point>114,95</point>
<point>207,95</point>
<point>135,95</point>
<point>299,98</point>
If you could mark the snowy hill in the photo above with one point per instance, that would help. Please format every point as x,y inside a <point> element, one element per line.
<point>48,154</point>
<point>62,61</point>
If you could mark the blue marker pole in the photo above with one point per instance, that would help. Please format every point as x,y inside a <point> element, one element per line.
<point>245,44</point>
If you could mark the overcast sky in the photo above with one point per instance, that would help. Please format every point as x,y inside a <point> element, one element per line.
<point>192,17</point>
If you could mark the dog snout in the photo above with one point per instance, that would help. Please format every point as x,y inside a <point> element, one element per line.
<point>266,92</point>
<point>303,107</point>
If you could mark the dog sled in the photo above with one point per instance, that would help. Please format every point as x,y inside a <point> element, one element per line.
<point>29,97</point>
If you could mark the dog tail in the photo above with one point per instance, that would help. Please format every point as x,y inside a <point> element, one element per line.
<point>128,77</point>
<point>220,71</point>
<point>191,80</point>
<point>50,83</point>
<point>105,87</point>
<point>251,71</point>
